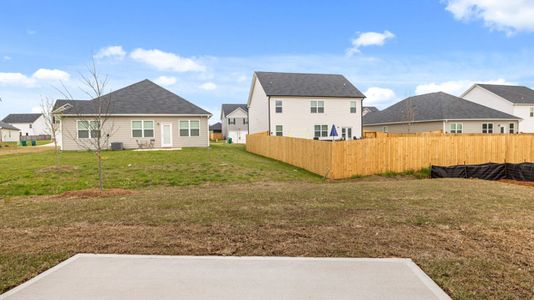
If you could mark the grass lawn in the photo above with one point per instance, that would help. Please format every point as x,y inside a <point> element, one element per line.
<point>33,173</point>
<point>474,238</point>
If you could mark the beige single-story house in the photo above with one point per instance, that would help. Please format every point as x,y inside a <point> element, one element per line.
<point>142,115</point>
<point>440,112</point>
<point>9,133</point>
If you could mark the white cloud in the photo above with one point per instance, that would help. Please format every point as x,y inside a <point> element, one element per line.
<point>6,58</point>
<point>166,61</point>
<point>455,87</point>
<point>7,78</point>
<point>369,39</point>
<point>51,74</point>
<point>208,86</point>
<point>15,79</point>
<point>504,15</point>
<point>379,96</point>
<point>165,80</point>
<point>112,52</point>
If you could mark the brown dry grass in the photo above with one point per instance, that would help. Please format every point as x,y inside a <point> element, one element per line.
<point>474,238</point>
<point>94,193</point>
<point>523,183</point>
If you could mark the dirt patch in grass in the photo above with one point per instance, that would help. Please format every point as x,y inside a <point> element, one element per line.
<point>94,193</point>
<point>56,169</point>
<point>517,182</point>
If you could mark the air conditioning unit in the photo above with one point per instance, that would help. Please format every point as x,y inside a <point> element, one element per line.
<point>117,146</point>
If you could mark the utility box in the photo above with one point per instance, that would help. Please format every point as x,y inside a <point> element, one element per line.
<point>117,146</point>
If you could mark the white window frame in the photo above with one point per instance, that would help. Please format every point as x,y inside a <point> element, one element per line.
<point>276,106</point>
<point>90,135</point>
<point>317,105</point>
<point>353,104</point>
<point>346,129</point>
<point>385,129</point>
<point>231,121</point>
<point>322,132</point>
<point>188,128</point>
<point>487,128</point>
<point>456,128</point>
<point>276,130</point>
<point>143,129</point>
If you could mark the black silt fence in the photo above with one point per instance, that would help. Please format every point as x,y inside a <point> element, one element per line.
<point>490,171</point>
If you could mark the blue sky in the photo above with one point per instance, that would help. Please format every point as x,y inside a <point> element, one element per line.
<point>206,51</point>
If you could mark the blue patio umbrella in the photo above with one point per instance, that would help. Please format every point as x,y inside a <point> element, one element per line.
<point>333,132</point>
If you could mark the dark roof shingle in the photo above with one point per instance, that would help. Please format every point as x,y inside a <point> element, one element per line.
<point>307,85</point>
<point>4,125</point>
<point>21,118</point>
<point>216,127</point>
<point>228,108</point>
<point>434,107</point>
<point>144,97</point>
<point>512,93</point>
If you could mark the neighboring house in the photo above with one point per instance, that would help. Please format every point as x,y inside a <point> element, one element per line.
<point>29,124</point>
<point>216,131</point>
<point>368,109</point>
<point>511,99</point>
<point>140,115</point>
<point>8,133</point>
<point>304,105</point>
<point>440,112</point>
<point>234,119</point>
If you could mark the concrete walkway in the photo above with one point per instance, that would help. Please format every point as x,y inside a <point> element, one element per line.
<point>89,276</point>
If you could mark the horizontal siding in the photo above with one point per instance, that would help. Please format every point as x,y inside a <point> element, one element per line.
<point>122,132</point>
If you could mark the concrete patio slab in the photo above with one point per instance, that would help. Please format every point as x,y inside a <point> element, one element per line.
<point>93,276</point>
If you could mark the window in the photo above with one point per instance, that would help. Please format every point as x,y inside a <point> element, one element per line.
<point>512,128</point>
<point>195,128</point>
<point>278,106</point>
<point>184,128</point>
<point>385,129</point>
<point>346,133</point>
<point>317,107</point>
<point>352,107</point>
<point>231,121</point>
<point>457,127</point>
<point>487,127</point>
<point>532,112</point>
<point>245,121</point>
<point>31,125</point>
<point>189,128</point>
<point>142,129</point>
<point>320,131</point>
<point>88,129</point>
<point>279,130</point>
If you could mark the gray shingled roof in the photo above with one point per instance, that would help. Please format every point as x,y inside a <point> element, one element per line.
<point>434,107</point>
<point>216,127</point>
<point>512,93</point>
<point>228,108</point>
<point>4,125</point>
<point>307,85</point>
<point>144,97</point>
<point>21,118</point>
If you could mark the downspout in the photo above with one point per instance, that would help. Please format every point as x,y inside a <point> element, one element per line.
<point>361,118</point>
<point>269,113</point>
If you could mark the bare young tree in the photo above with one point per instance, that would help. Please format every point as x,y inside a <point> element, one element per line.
<point>409,113</point>
<point>95,127</point>
<point>52,123</point>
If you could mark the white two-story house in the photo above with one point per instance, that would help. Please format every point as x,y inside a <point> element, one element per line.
<point>510,99</point>
<point>304,105</point>
<point>234,120</point>
<point>29,124</point>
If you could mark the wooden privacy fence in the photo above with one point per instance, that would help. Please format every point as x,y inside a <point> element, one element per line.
<point>344,159</point>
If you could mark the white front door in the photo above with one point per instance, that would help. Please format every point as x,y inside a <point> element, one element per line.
<point>166,135</point>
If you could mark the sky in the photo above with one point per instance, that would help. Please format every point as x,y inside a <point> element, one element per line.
<point>207,51</point>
